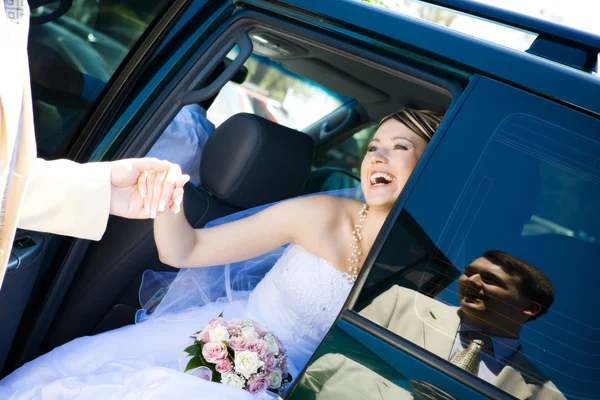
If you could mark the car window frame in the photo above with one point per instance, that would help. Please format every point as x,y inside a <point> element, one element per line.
<point>349,315</point>
<point>148,126</point>
<point>65,253</point>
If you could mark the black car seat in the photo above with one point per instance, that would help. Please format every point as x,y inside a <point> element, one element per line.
<point>248,161</point>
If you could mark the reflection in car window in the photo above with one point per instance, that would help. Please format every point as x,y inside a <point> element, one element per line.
<point>276,94</point>
<point>523,236</point>
<point>352,364</point>
<point>73,57</point>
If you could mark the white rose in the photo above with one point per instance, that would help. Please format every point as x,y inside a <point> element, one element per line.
<point>271,344</point>
<point>247,362</point>
<point>275,379</point>
<point>249,333</point>
<point>233,379</point>
<point>218,333</point>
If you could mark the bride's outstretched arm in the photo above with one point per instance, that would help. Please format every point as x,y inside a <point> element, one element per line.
<point>182,246</point>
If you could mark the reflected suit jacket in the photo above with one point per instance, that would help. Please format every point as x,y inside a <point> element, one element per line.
<point>433,325</point>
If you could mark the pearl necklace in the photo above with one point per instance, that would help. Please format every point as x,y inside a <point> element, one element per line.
<point>357,237</point>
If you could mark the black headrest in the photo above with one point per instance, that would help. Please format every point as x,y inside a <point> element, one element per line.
<point>250,161</point>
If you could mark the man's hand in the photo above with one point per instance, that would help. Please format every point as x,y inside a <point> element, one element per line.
<point>145,187</point>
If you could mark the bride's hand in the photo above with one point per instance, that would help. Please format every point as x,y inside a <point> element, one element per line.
<point>145,187</point>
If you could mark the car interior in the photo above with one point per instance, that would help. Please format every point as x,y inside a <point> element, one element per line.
<point>241,167</point>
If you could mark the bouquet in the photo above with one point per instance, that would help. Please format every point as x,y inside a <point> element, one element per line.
<point>240,353</point>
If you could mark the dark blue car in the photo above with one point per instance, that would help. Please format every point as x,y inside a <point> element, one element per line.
<point>515,167</point>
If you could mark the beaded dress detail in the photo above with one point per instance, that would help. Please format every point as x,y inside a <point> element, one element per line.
<point>299,299</point>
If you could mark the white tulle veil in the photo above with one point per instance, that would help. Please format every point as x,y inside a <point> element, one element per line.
<point>163,293</point>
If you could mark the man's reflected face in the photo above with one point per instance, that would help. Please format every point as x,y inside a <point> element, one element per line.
<point>491,298</point>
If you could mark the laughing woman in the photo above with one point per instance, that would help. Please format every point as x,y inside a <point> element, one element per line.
<point>298,299</point>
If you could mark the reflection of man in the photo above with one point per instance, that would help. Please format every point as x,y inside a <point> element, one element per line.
<point>335,376</point>
<point>498,293</point>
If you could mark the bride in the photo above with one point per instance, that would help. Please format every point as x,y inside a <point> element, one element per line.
<point>298,299</point>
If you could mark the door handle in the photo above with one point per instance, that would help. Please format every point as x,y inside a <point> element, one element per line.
<point>326,130</point>
<point>25,247</point>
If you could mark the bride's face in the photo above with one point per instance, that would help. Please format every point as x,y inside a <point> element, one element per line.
<point>391,157</point>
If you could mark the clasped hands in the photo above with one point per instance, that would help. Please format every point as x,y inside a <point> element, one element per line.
<point>145,187</point>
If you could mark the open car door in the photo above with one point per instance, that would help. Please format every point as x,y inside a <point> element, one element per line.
<point>87,60</point>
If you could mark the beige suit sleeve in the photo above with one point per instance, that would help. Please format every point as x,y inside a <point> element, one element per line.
<point>382,308</point>
<point>67,198</point>
<point>547,391</point>
<point>334,376</point>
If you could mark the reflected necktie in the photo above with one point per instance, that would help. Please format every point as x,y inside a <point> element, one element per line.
<point>469,357</point>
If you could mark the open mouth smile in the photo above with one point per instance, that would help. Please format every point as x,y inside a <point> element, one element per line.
<point>472,296</point>
<point>381,179</point>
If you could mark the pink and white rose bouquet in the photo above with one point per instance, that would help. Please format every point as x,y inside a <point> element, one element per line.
<point>240,353</point>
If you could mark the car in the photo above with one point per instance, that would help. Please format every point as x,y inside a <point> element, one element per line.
<point>514,166</point>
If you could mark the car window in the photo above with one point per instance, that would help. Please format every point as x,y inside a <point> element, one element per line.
<point>349,153</point>
<point>501,238</point>
<point>351,364</point>
<point>464,23</point>
<point>274,93</point>
<point>73,57</point>
<point>339,166</point>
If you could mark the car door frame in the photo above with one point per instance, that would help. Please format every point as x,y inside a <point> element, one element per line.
<point>62,255</point>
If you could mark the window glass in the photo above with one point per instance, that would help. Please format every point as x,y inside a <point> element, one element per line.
<point>561,12</point>
<point>508,256</point>
<point>260,87</point>
<point>348,154</point>
<point>351,364</point>
<point>276,94</point>
<point>73,57</point>
<point>464,23</point>
<point>339,167</point>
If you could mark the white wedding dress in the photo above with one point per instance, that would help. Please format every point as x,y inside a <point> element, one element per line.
<point>298,300</point>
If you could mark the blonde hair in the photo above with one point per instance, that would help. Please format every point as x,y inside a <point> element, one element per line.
<point>423,122</point>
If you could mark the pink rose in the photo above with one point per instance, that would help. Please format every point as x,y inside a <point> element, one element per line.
<point>214,352</point>
<point>260,330</point>
<point>223,366</point>
<point>257,346</point>
<point>258,384</point>
<point>238,344</point>
<point>269,360</point>
<point>205,336</point>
